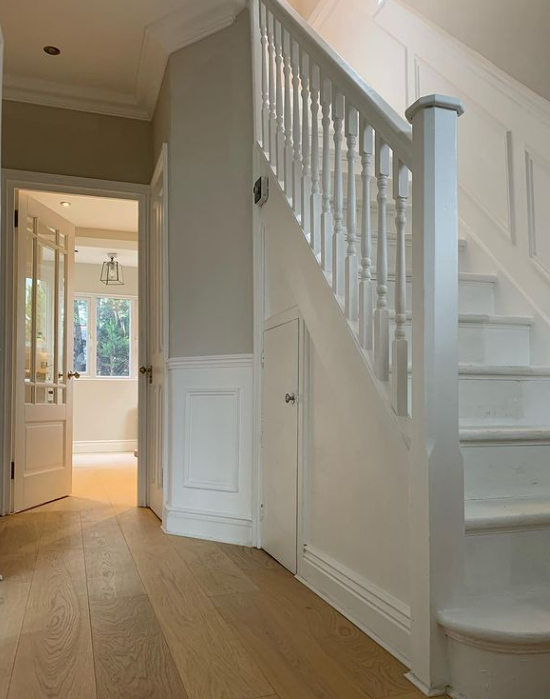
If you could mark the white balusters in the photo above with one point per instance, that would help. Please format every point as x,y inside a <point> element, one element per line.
<point>315,200</point>
<point>271,81</point>
<point>382,315</point>
<point>306,145</point>
<point>351,268</point>
<point>326,214</point>
<point>280,133</point>
<point>287,45</point>
<point>264,77</point>
<point>296,131</point>
<point>365,285</point>
<point>338,229</point>
<point>400,379</point>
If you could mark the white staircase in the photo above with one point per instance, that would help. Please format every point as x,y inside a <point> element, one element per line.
<point>330,146</point>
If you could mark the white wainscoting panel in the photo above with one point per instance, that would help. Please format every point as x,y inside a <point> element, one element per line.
<point>210,448</point>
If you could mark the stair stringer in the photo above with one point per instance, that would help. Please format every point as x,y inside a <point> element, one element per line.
<point>359,393</point>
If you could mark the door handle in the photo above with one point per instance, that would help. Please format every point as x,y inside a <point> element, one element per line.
<point>147,371</point>
<point>73,374</point>
<point>290,398</point>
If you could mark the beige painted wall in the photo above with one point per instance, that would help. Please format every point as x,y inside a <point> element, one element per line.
<point>510,33</point>
<point>68,142</point>
<point>103,409</point>
<point>162,117</point>
<point>208,95</point>
<point>304,7</point>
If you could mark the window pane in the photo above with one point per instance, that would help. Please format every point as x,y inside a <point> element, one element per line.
<point>29,255</point>
<point>113,337</point>
<point>61,317</point>
<point>45,314</point>
<point>81,335</point>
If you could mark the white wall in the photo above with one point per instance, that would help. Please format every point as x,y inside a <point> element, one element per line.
<point>105,411</point>
<point>504,141</point>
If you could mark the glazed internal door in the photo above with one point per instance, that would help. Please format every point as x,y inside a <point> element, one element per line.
<point>280,443</point>
<point>44,355</point>
<point>155,372</point>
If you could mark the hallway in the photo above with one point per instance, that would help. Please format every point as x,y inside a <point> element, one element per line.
<point>99,603</point>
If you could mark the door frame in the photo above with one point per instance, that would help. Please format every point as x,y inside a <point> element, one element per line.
<point>13,180</point>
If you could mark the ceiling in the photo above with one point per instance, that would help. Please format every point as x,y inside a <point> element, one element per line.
<point>95,252</point>
<point>93,212</point>
<point>113,52</point>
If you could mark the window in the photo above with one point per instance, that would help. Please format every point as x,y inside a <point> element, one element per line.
<point>105,337</point>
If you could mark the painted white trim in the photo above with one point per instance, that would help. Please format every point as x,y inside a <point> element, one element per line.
<point>219,361</point>
<point>46,182</point>
<point>282,317</point>
<point>373,610</point>
<point>185,26</point>
<point>215,526</point>
<point>104,446</point>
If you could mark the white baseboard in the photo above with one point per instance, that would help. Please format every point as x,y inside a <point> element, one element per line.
<point>380,615</point>
<point>214,526</point>
<point>104,446</point>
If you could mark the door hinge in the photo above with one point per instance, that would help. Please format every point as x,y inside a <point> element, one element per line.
<point>12,472</point>
<point>261,512</point>
<point>16,218</point>
<point>263,359</point>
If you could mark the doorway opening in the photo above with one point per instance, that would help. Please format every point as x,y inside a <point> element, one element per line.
<point>77,310</point>
<point>83,338</point>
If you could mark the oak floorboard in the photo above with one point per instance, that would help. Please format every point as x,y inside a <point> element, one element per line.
<point>54,659</point>
<point>211,660</point>
<point>216,573</point>
<point>13,601</point>
<point>132,659</point>
<point>256,564</point>
<point>20,534</point>
<point>293,662</point>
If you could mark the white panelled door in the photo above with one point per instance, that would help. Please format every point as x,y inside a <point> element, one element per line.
<point>280,443</point>
<point>157,340</point>
<point>44,355</point>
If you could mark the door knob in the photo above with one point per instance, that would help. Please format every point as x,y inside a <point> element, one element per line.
<point>290,398</point>
<point>73,374</point>
<point>147,370</point>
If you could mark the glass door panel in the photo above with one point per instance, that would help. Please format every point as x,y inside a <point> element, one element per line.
<point>45,314</point>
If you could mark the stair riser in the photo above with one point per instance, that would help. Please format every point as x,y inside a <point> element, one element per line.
<point>499,561</point>
<point>484,343</point>
<point>506,470</point>
<point>491,402</point>
<point>472,297</point>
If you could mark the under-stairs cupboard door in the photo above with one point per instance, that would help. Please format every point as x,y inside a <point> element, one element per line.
<point>45,374</point>
<point>157,340</point>
<point>280,443</point>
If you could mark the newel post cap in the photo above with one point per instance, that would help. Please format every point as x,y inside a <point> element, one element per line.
<point>439,101</point>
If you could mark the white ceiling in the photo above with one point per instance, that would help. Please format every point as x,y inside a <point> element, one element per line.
<point>98,254</point>
<point>93,212</point>
<point>114,52</point>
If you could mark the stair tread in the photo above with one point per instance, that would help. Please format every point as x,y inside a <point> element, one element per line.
<point>504,371</point>
<point>504,433</point>
<point>505,513</point>
<point>516,617</point>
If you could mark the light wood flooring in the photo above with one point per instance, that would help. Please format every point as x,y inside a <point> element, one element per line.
<point>99,603</point>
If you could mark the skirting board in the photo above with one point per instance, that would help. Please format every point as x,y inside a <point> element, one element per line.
<point>384,618</point>
<point>105,446</point>
<point>226,528</point>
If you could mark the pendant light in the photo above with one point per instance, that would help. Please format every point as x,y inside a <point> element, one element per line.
<point>111,271</point>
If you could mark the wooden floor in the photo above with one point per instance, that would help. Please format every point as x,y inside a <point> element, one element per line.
<point>99,603</point>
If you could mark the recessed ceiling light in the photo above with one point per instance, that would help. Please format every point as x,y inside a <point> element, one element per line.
<point>65,203</point>
<point>52,50</point>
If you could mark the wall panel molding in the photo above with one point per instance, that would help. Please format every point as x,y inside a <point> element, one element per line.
<point>210,447</point>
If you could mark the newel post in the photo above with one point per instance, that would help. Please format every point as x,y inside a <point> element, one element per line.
<point>436,490</point>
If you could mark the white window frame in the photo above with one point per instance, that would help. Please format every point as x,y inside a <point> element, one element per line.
<point>91,341</point>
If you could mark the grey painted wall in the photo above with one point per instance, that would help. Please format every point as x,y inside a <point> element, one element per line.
<point>205,114</point>
<point>68,142</point>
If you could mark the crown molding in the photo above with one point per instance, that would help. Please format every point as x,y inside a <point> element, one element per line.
<point>183,27</point>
